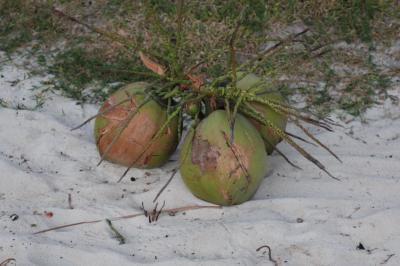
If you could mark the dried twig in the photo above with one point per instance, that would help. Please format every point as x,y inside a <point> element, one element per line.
<point>169,211</point>
<point>143,209</point>
<point>154,214</point>
<point>194,67</point>
<point>67,225</point>
<point>183,158</point>
<point>297,122</point>
<point>99,114</point>
<point>7,261</point>
<point>300,138</point>
<point>263,55</point>
<point>286,158</point>
<point>166,184</point>
<point>387,259</point>
<point>159,212</point>
<point>291,113</point>
<point>70,201</point>
<point>248,110</point>
<point>192,207</point>
<point>269,254</point>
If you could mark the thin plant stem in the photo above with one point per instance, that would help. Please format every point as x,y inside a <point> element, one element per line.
<point>169,211</point>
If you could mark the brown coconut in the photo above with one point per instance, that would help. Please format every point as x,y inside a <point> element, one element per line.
<point>131,145</point>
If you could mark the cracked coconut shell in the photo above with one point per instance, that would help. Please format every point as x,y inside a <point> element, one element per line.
<point>216,170</point>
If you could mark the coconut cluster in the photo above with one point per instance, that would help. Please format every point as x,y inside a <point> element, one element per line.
<point>222,160</point>
<point>237,118</point>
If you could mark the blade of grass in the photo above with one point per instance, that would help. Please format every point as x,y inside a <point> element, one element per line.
<point>118,236</point>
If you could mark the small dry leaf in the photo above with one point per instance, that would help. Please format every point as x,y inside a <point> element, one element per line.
<point>197,81</point>
<point>150,64</point>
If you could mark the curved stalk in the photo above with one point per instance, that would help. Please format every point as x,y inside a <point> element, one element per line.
<point>250,111</point>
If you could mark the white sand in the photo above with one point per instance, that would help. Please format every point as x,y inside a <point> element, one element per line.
<point>42,161</point>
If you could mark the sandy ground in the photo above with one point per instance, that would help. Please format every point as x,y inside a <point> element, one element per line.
<point>305,217</point>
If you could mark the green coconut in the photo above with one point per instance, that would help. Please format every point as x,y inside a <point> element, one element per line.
<point>192,108</point>
<point>219,172</point>
<point>140,131</point>
<point>253,82</point>
<point>249,81</point>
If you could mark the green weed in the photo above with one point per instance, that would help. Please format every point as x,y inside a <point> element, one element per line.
<point>88,61</point>
<point>76,68</point>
